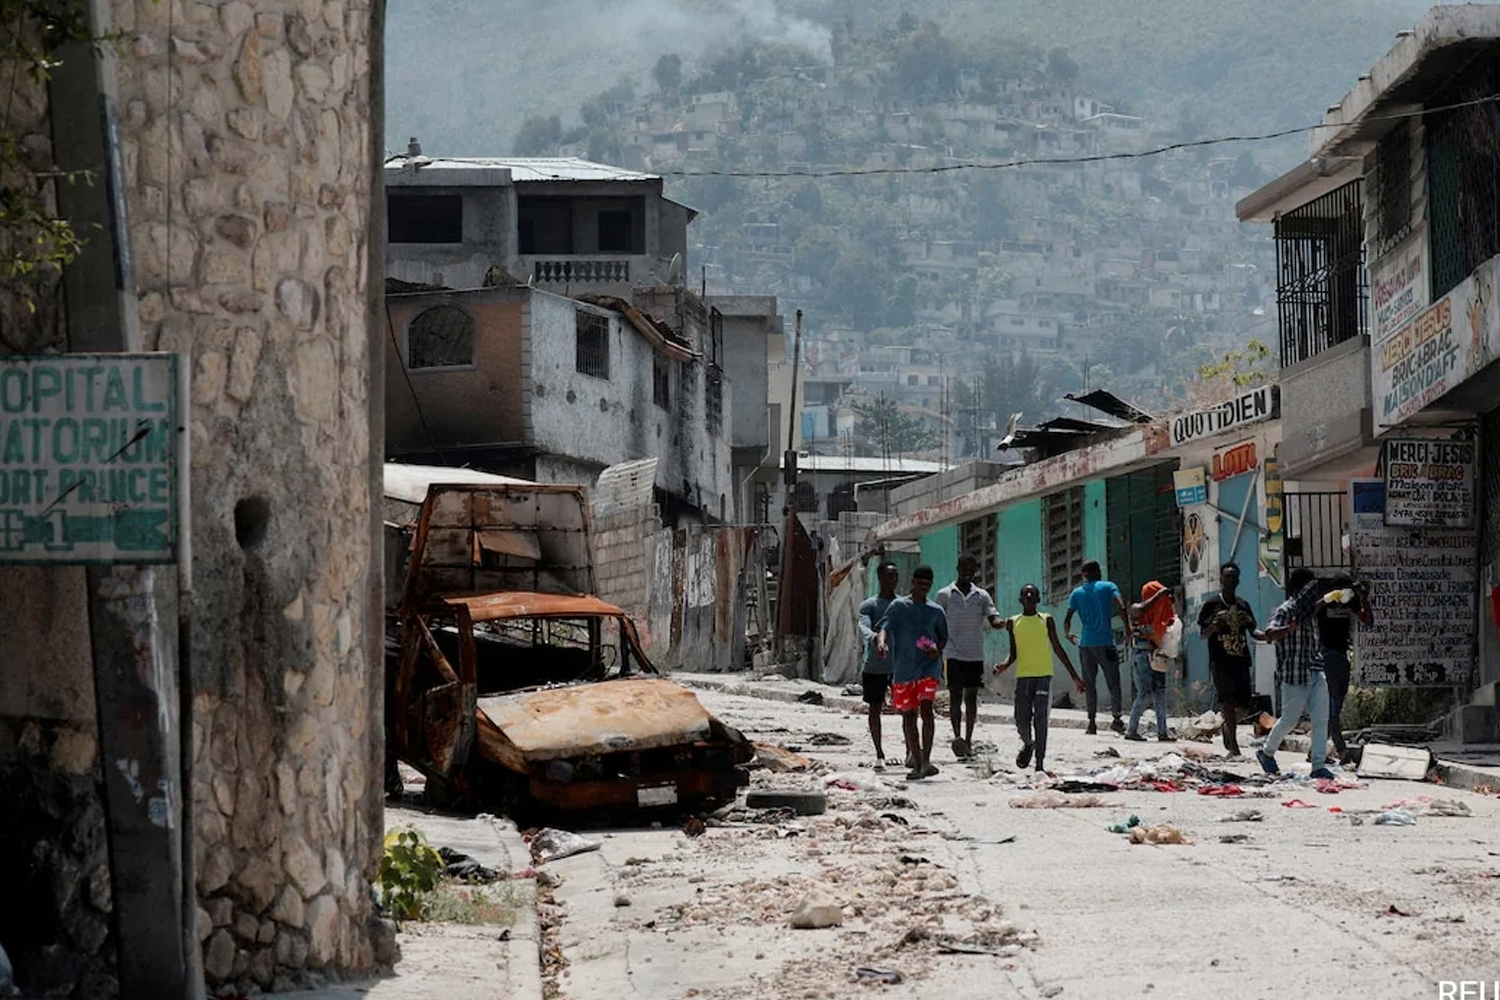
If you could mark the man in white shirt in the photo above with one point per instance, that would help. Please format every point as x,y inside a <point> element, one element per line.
<point>969,609</point>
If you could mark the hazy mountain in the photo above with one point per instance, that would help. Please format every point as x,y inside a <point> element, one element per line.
<point>464,74</point>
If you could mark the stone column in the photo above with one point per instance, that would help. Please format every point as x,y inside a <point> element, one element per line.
<point>249,169</point>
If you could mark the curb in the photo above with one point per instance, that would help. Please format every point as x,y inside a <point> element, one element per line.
<point>524,946</point>
<point>1452,773</point>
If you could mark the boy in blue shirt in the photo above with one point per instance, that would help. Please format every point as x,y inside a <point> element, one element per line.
<point>913,635</point>
<point>876,676</point>
<point>1097,602</point>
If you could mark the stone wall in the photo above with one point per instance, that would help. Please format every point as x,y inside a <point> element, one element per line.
<point>246,138</point>
<point>248,159</point>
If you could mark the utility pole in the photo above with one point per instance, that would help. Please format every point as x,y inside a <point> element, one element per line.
<point>789,509</point>
<point>142,688</point>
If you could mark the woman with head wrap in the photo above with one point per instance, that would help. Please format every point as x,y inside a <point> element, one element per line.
<point>1150,620</point>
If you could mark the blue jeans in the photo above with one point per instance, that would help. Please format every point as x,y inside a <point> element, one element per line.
<point>1311,698</point>
<point>1148,684</point>
<point>1336,671</point>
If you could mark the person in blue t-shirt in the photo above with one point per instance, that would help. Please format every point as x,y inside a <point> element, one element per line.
<point>913,635</point>
<point>876,676</point>
<point>1096,602</point>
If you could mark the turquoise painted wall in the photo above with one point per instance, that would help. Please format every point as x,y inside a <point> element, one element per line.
<point>1095,525</point>
<point>940,551</point>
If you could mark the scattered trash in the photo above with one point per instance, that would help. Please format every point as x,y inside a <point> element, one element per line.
<point>1394,911</point>
<point>1384,760</point>
<point>622,899</point>
<point>552,845</point>
<point>852,782</point>
<point>814,913</point>
<point>892,802</point>
<point>1264,724</point>
<point>1244,816</point>
<point>803,803</point>
<point>1108,752</point>
<point>949,947</point>
<point>854,691</point>
<point>1205,727</point>
<point>992,843</point>
<point>1163,834</point>
<point>1221,791</point>
<point>1395,817</point>
<point>1298,804</point>
<point>779,760</point>
<point>913,859</point>
<point>1057,800</point>
<point>1126,826</point>
<point>694,827</point>
<point>1051,991</point>
<point>896,818</point>
<point>888,977</point>
<point>1073,786</point>
<point>828,740</point>
<point>1234,838</point>
<point>811,697</point>
<point>462,867</point>
<point>1449,807</point>
<point>1329,786</point>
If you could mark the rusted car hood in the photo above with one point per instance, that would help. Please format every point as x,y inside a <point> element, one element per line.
<point>585,720</point>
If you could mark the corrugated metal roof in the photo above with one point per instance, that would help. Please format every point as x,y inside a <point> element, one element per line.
<point>409,483</point>
<point>524,169</point>
<point>860,464</point>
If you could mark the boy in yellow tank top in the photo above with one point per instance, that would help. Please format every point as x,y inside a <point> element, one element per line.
<point>1033,643</point>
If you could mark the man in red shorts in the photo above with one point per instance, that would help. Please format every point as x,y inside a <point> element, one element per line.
<point>913,634</point>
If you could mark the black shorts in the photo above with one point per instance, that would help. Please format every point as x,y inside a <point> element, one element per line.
<point>1232,681</point>
<point>965,675</point>
<point>876,686</point>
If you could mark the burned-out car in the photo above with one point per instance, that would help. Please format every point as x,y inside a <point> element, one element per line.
<point>511,685</point>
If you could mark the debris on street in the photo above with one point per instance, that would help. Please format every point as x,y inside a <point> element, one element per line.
<point>551,845</point>
<point>885,977</point>
<point>1162,834</point>
<point>815,913</point>
<point>1057,800</point>
<point>1385,760</point>
<point>1126,825</point>
<point>1244,816</point>
<point>464,868</point>
<point>1395,817</point>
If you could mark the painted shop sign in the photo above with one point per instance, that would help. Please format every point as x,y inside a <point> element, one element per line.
<point>89,458</point>
<point>1236,460</point>
<point>1419,362</point>
<point>1429,483</point>
<point>1249,407</point>
<point>1191,486</point>
<point>1422,587</point>
<point>1398,284</point>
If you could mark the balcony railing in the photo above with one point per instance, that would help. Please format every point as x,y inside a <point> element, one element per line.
<point>580,270</point>
<point>1322,290</point>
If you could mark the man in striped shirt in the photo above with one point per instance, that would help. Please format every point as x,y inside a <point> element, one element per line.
<point>969,610</point>
<point>1299,671</point>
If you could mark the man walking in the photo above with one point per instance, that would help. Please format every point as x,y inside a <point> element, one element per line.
<point>1227,622</point>
<point>1033,643</point>
<point>1150,620</point>
<point>876,676</point>
<point>969,609</point>
<point>1344,604</point>
<point>1096,602</point>
<point>1299,671</point>
<point>913,635</point>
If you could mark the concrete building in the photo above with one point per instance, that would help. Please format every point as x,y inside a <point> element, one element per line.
<point>1397,204</point>
<point>528,383</point>
<point>564,224</point>
<point>248,138</point>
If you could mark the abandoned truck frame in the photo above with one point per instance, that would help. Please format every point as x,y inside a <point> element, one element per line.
<point>512,685</point>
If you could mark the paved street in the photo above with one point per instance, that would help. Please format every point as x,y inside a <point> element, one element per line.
<point>1308,903</point>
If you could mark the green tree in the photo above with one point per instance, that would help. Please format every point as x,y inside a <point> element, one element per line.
<point>668,72</point>
<point>539,135</point>
<point>882,429</point>
<point>1016,383</point>
<point>1061,66</point>
<point>1243,367</point>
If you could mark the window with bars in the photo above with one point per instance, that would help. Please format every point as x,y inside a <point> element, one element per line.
<point>807,498</point>
<point>592,349</point>
<point>1062,527</point>
<point>713,400</point>
<point>441,337</point>
<point>1322,288</point>
<point>1393,185</point>
<point>1463,180</point>
<point>661,382</point>
<point>977,538</point>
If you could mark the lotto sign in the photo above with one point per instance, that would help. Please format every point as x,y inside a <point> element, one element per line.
<point>89,459</point>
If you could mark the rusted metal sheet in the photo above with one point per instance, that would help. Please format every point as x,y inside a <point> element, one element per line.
<point>1113,457</point>
<point>679,584</point>
<point>625,793</point>
<point>526,604</point>
<point>608,717</point>
<point>797,597</point>
<point>448,724</point>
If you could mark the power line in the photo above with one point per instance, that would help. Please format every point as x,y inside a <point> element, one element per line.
<point>1061,160</point>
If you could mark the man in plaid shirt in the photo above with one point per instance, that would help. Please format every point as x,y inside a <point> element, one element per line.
<point>1299,671</point>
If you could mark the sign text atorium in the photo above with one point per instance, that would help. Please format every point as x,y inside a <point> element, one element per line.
<point>88,459</point>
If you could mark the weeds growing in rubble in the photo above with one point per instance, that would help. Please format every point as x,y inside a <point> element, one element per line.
<point>409,870</point>
<point>489,905</point>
